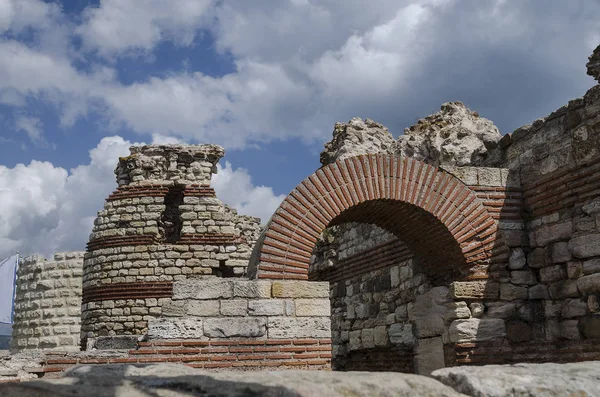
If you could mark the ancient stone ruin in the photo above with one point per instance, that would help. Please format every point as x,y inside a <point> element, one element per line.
<point>452,245</point>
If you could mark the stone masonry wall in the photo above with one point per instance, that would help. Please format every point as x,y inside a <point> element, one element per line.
<point>558,161</point>
<point>48,303</point>
<point>372,289</point>
<point>163,224</point>
<point>249,323</point>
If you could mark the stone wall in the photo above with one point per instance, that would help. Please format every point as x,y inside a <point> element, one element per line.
<point>48,303</point>
<point>163,224</point>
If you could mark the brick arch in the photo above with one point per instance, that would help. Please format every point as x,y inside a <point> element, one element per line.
<point>434,213</point>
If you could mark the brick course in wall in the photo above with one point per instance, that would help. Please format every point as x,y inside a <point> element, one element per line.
<point>163,224</point>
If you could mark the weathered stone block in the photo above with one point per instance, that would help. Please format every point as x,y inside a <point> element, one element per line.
<point>511,292</point>
<point>367,337</point>
<point>266,307</point>
<point>585,246</point>
<point>202,308</point>
<point>573,308</point>
<point>299,327</point>
<point>591,266</point>
<point>563,289</point>
<point>560,252</point>
<point>456,310</point>
<point>202,289</point>
<point>475,329</point>
<point>591,327</point>
<point>175,328</point>
<point>252,289</point>
<point>401,334</point>
<point>429,355</point>
<point>354,342</point>
<point>474,290</point>
<point>569,329</point>
<point>501,309</point>
<point>538,292</point>
<point>517,259</point>
<point>589,285</point>
<point>380,336</point>
<point>546,234</point>
<point>234,307</point>
<point>552,273</point>
<point>538,258</point>
<point>520,277</point>
<point>313,307</point>
<point>243,327</point>
<point>477,309</point>
<point>429,325</point>
<point>300,289</point>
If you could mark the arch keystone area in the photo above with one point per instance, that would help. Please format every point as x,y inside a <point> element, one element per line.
<point>438,217</point>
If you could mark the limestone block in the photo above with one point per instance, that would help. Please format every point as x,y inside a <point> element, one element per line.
<point>367,337</point>
<point>501,309</point>
<point>560,252</point>
<point>175,328</point>
<point>593,303</point>
<point>299,327</point>
<point>574,308</point>
<point>234,307</point>
<point>380,336</point>
<point>474,290</point>
<point>252,289</point>
<point>552,273</point>
<point>591,266</point>
<point>538,258</point>
<point>569,329</point>
<point>563,289</point>
<point>243,327</point>
<point>546,234</point>
<point>477,309</point>
<point>456,310</point>
<point>429,355</point>
<point>266,307</point>
<point>401,334</point>
<point>591,327</point>
<point>512,292</point>
<point>202,289</point>
<point>312,307</point>
<point>589,285</point>
<point>429,325</point>
<point>395,276</point>
<point>574,269</point>
<point>355,342</point>
<point>538,292</point>
<point>520,277</point>
<point>585,246</point>
<point>475,329</point>
<point>300,289</point>
<point>517,259</point>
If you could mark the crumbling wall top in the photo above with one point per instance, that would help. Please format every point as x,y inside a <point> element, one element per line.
<point>593,66</point>
<point>168,164</point>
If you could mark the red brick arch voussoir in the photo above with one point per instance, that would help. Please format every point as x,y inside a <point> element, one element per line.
<point>406,196</point>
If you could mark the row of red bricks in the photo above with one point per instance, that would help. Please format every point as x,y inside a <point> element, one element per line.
<point>149,239</point>
<point>214,354</point>
<point>564,188</point>
<point>137,290</point>
<point>331,190</point>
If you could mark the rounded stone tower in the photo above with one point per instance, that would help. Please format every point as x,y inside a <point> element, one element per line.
<point>163,224</point>
<point>48,303</point>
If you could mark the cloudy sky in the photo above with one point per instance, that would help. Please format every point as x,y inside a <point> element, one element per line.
<point>81,80</point>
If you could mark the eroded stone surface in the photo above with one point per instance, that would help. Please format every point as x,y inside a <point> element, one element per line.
<point>179,381</point>
<point>577,379</point>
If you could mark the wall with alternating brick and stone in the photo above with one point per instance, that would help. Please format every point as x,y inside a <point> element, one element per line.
<point>163,224</point>
<point>47,309</point>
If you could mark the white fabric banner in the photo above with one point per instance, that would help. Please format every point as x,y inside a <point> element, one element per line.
<point>8,268</point>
